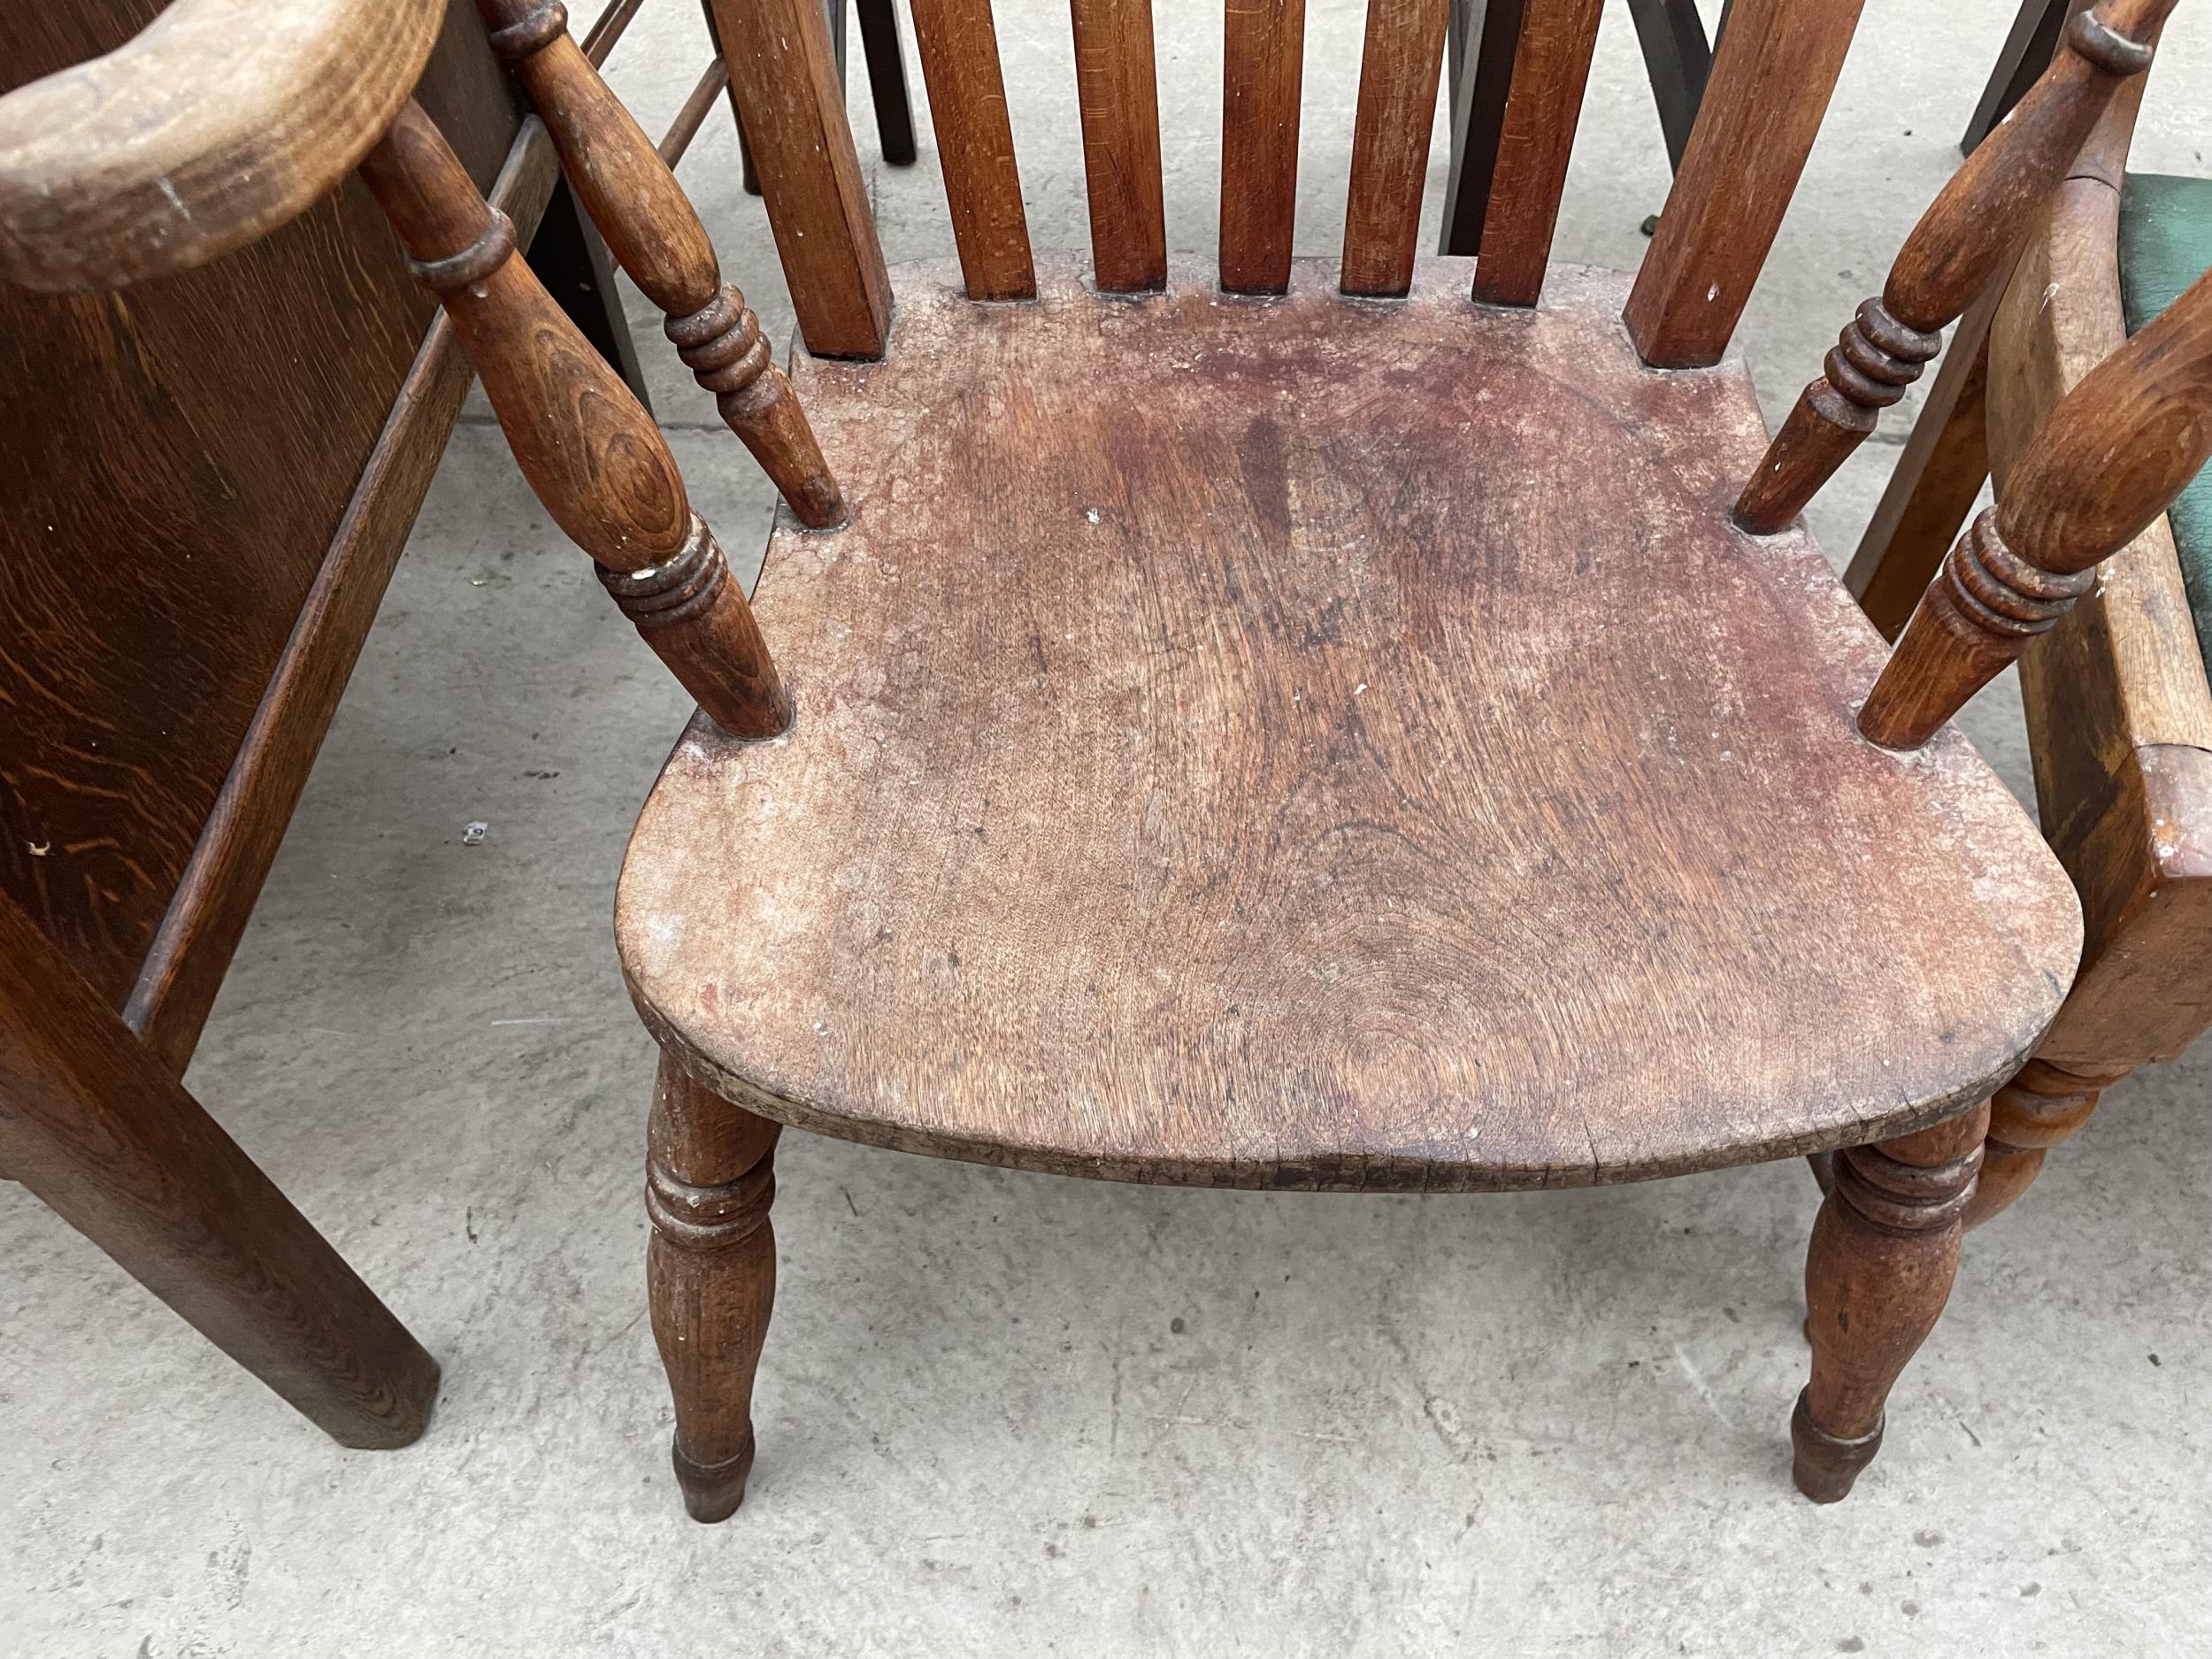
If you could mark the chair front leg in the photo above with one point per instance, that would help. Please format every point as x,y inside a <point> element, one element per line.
<point>710,1274</point>
<point>1885,1251</point>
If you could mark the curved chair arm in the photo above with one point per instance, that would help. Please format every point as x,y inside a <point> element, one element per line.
<point>219,121</point>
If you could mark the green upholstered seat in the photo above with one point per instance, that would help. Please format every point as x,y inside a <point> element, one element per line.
<point>2165,245</point>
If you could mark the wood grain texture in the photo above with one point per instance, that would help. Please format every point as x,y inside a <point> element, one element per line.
<point>1488,31</point>
<point>1118,93</point>
<point>2119,719</point>
<point>133,164</point>
<point>1390,143</point>
<point>783,80</point>
<point>975,146</point>
<point>1188,791</point>
<point>191,950</point>
<point>210,429</point>
<point>1971,231</point>
<point>655,234</point>
<point>592,454</point>
<point>101,1131</point>
<point>1551,66</point>
<point>1262,64</point>
<point>1937,480</point>
<point>1772,80</point>
<point>1884,1253</point>
<point>711,1278</point>
<point>2103,466</point>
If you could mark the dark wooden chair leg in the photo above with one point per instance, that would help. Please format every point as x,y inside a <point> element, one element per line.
<point>1884,1251</point>
<point>103,1132</point>
<point>1485,39</point>
<point>1677,61</point>
<point>886,81</point>
<point>2027,51</point>
<point>711,1273</point>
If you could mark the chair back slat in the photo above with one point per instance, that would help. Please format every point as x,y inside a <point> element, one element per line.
<point>1262,54</point>
<point>1398,75</point>
<point>1116,89</point>
<point>975,145</point>
<point>783,75</point>
<point>1772,80</point>
<point>1971,233</point>
<point>2112,457</point>
<point>1551,66</point>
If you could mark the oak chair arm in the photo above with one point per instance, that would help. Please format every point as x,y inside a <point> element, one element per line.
<point>218,122</point>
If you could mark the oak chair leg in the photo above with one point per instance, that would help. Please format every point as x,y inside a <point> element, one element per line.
<point>2042,1106</point>
<point>1885,1251</point>
<point>710,1274</point>
<point>100,1130</point>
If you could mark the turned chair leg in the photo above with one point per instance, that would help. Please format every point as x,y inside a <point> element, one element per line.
<point>1884,1251</point>
<point>2042,1106</point>
<point>710,1274</point>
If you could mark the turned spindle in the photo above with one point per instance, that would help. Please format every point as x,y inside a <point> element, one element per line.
<point>2043,1106</point>
<point>1975,227</point>
<point>2114,452</point>
<point>655,234</point>
<point>590,449</point>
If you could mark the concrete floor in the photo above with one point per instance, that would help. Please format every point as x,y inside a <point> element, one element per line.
<point>1006,1414</point>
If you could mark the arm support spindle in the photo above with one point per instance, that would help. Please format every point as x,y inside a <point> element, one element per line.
<point>2114,452</point>
<point>655,234</point>
<point>590,451</point>
<point>1976,225</point>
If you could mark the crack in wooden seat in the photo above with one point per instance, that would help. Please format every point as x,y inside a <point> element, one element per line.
<point>1319,742</point>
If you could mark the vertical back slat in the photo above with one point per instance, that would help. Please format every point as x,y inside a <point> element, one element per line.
<point>1772,80</point>
<point>1550,68</point>
<point>1264,52</point>
<point>783,76</point>
<point>1390,143</point>
<point>975,145</point>
<point>1120,100</point>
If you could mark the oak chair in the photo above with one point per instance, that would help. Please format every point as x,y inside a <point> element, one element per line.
<point>1337,726</point>
<point>2119,715</point>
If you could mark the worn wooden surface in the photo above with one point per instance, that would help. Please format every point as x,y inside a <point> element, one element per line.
<point>120,167</point>
<point>1117,91</point>
<point>1972,232</point>
<point>102,1131</point>
<point>975,146</point>
<point>1262,60</point>
<point>711,1277</point>
<point>1485,34</point>
<point>214,429</point>
<point>1390,143</point>
<point>1772,80</point>
<point>655,234</point>
<point>1184,789</point>
<point>784,77</point>
<point>1551,66</point>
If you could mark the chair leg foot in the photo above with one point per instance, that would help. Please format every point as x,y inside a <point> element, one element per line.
<point>710,1274</point>
<point>712,1492</point>
<point>1885,1251</point>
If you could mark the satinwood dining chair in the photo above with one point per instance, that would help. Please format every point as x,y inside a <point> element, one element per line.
<point>1340,725</point>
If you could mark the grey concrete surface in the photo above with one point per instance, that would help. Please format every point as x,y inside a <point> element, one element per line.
<point>1013,1415</point>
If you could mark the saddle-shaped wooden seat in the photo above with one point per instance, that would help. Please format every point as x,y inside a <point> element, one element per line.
<point>1317,743</point>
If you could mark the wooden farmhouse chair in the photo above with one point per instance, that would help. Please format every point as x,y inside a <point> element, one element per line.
<point>2118,712</point>
<point>1328,725</point>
